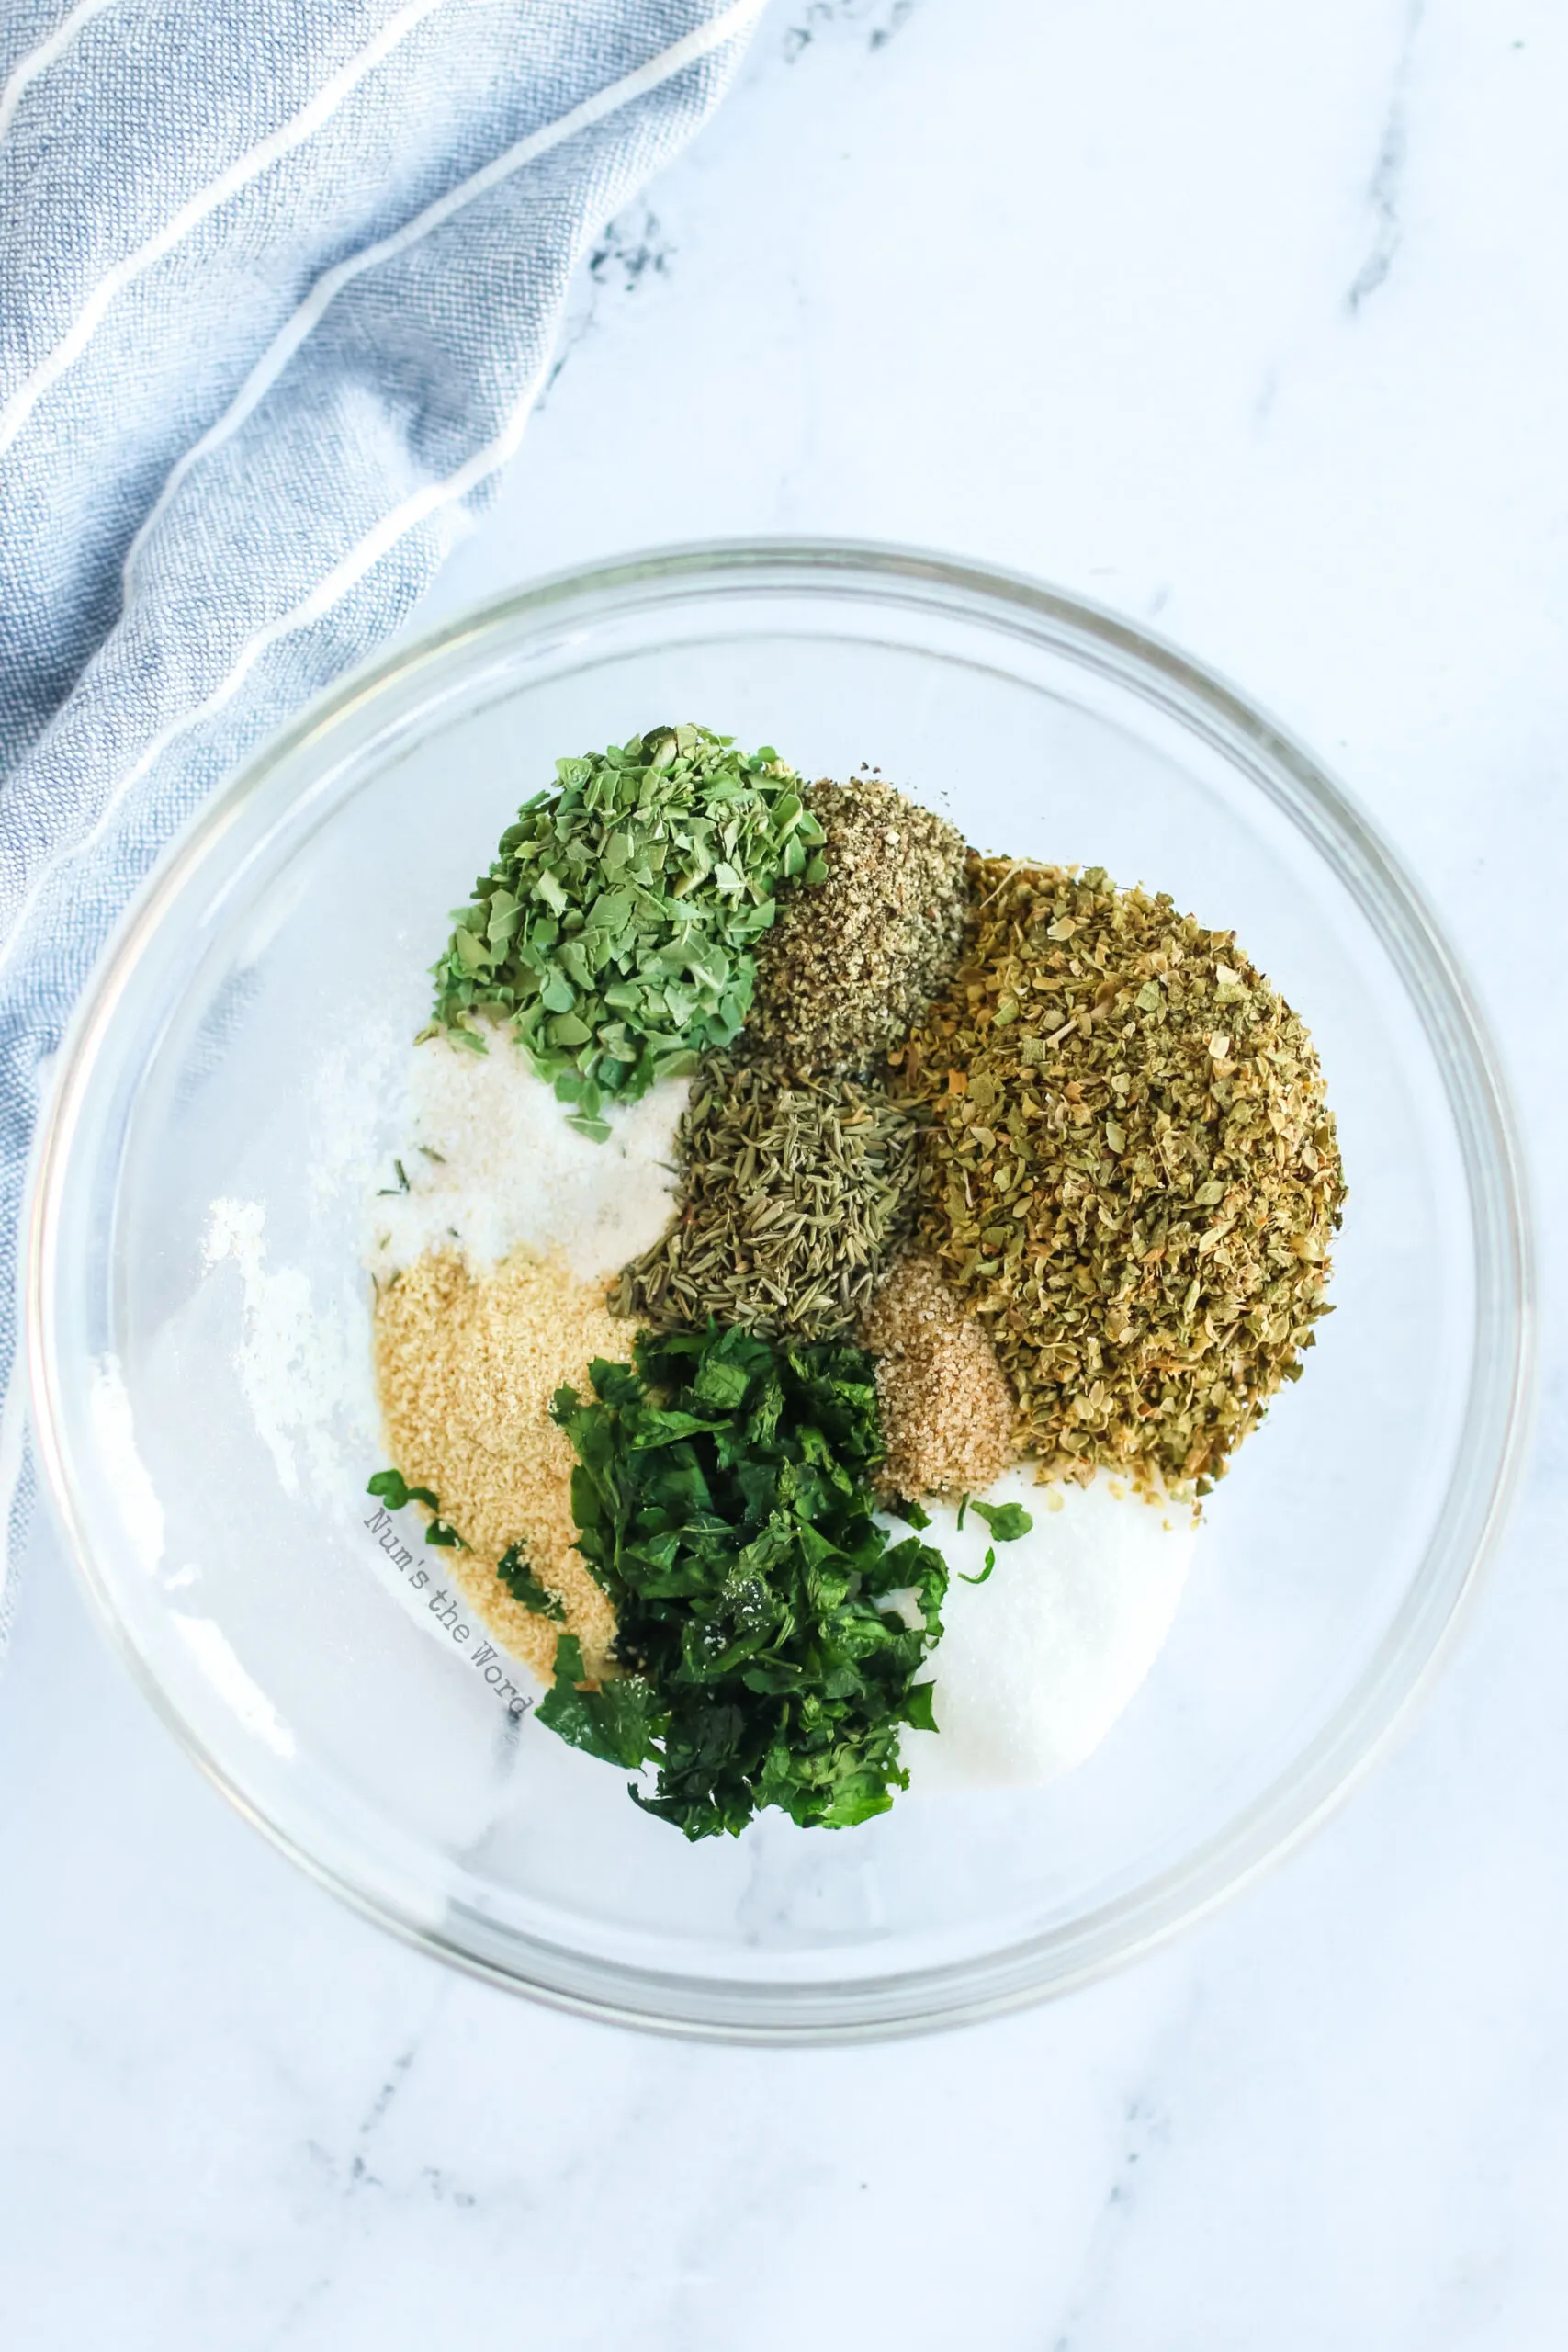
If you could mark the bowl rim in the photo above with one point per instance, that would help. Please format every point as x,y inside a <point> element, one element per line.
<point>1377,1707</point>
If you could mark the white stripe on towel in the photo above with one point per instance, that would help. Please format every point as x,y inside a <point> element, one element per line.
<point>25,72</point>
<point>349,569</point>
<point>238,174</point>
<point>337,583</point>
<point>346,574</point>
<point>287,341</point>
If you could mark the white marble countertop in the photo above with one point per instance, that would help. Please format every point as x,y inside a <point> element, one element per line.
<point>1251,317</point>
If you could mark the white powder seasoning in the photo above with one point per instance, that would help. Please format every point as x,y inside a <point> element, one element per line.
<point>293,1358</point>
<point>491,1167</point>
<point>1036,1664</point>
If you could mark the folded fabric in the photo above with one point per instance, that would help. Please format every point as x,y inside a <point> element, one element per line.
<point>278,282</point>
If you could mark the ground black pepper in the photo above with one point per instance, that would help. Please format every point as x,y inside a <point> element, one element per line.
<point>848,966</point>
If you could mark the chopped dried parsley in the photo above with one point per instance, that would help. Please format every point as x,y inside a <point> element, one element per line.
<point>793,1198</point>
<point>615,929</point>
<point>724,1501</point>
<point>1135,1182</point>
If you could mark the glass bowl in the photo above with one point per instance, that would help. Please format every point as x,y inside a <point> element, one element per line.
<point>198,1320</point>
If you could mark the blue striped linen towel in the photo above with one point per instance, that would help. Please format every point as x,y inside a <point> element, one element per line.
<point>278,285</point>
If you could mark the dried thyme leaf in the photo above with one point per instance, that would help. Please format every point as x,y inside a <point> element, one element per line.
<point>793,1200</point>
<point>615,929</point>
<point>1134,1179</point>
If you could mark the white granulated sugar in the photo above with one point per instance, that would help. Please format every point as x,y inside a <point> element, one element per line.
<point>1036,1665</point>
<point>492,1167</point>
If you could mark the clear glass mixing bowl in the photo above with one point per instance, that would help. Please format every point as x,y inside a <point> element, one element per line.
<point>198,1320</point>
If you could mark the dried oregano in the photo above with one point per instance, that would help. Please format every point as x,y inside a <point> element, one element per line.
<point>848,967</point>
<point>617,926</point>
<point>793,1198</point>
<point>1136,1177</point>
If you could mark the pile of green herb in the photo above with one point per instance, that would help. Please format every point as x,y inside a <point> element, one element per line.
<point>794,1199</point>
<point>847,968</point>
<point>1137,1180</point>
<point>723,1495</point>
<point>615,929</point>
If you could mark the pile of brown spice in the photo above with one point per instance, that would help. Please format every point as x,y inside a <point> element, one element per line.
<point>795,1196</point>
<point>466,1366</point>
<point>947,1411</point>
<point>850,963</point>
<point>1136,1177</point>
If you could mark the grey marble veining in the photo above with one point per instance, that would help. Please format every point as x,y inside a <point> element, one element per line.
<point>1254,320</point>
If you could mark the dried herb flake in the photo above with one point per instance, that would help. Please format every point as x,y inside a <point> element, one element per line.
<point>616,930</point>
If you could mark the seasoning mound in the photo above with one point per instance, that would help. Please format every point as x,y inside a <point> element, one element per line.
<point>1040,1658</point>
<point>847,967</point>
<point>946,1408</point>
<point>467,1365</point>
<point>491,1166</point>
<point>988,1173</point>
<point>795,1196</point>
<point>1136,1181</point>
<point>771,1630</point>
<point>614,929</point>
